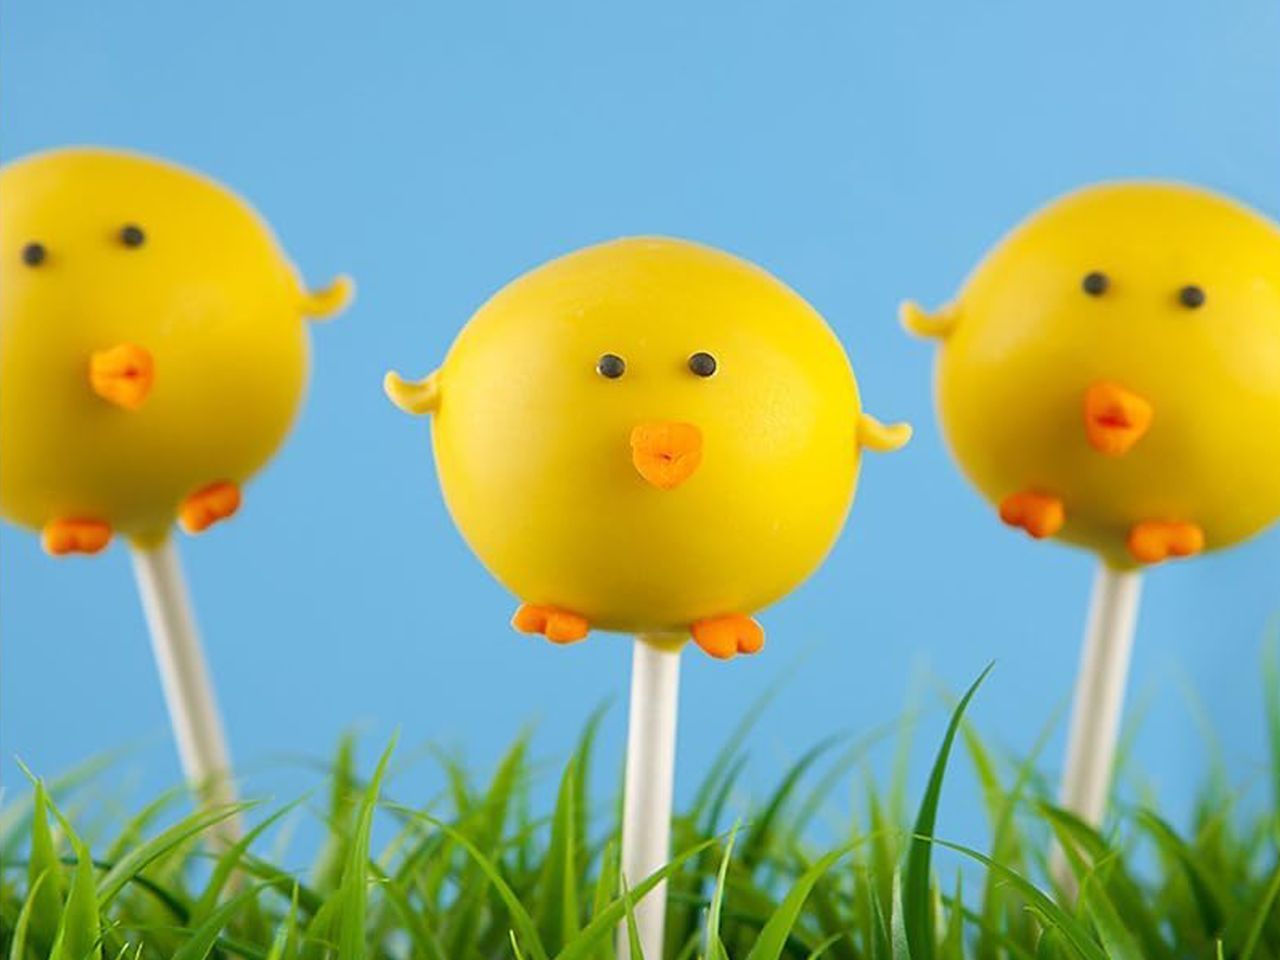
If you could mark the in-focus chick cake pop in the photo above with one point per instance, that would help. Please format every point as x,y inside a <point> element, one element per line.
<point>153,349</point>
<point>1110,373</point>
<point>649,436</point>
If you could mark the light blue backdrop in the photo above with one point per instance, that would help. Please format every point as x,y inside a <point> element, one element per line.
<point>864,152</point>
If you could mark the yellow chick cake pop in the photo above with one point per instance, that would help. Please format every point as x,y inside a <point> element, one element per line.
<point>649,436</point>
<point>1110,373</point>
<point>153,352</point>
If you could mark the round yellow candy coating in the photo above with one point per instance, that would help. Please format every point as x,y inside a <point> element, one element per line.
<point>1166,294</point>
<point>537,447</point>
<point>137,254</point>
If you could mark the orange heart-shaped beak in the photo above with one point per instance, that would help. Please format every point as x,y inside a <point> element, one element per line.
<point>666,453</point>
<point>122,375</point>
<point>1115,418</point>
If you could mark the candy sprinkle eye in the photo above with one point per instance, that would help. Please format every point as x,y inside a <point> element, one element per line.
<point>702,364</point>
<point>131,235</point>
<point>611,366</point>
<point>33,254</point>
<point>1191,296</point>
<point>1095,283</point>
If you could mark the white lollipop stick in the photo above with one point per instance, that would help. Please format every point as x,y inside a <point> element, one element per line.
<point>651,761</point>
<point>1099,700</point>
<point>188,692</point>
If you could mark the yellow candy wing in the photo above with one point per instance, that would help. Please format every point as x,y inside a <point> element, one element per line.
<point>328,301</point>
<point>937,325</point>
<point>413,396</point>
<point>880,437</point>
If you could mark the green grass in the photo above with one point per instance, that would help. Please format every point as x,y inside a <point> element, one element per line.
<point>480,875</point>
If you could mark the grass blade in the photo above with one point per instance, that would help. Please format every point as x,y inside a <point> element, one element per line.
<point>227,863</point>
<point>1068,927</point>
<point>602,925</point>
<point>900,945</point>
<point>44,866</point>
<point>520,918</point>
<point>353,891</point>
<point>714,949</point>
<point>18,945</point>
<point>202,939</point>
<point>773,938</point>
<point>138,859</point>
<point>557,913</point>
<point>79,933</point>
<point>917,905</point>
<point>1260,921</point>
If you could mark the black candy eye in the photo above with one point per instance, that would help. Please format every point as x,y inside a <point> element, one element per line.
<point>611,366</point>
<point>1191,296</point>
<point>131,235</point>
<point>33,254</point>
<point>702,364</point>
<point>1095,283</point>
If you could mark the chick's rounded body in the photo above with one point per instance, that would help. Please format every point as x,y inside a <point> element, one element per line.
<point>1183,317</point>
<point>532,441</point>
<point>207,297</point>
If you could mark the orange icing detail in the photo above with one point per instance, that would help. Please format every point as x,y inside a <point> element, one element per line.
<point>61,537</point>
<point>208,505</point>
<point>1155,540</point>
<point>558,626</point>
<point>1115,418</point>
<point>725,637</point>
<point>666,453</point>
<point>1039,514</point>
<point>122,375</point>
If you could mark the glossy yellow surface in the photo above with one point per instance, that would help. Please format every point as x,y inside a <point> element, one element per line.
<point>1024,342</point>
<point>549,468</point>
<point>208,294</point>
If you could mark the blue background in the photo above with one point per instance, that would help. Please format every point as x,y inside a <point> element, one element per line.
<point>864,152</point>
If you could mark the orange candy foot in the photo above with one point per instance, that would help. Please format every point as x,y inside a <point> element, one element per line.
<point>1155,540</point>
<point>1040,514</point>
<point>558,626</point>
<point>206,507</point>
<point>725,637</point>
<point>61,537</point>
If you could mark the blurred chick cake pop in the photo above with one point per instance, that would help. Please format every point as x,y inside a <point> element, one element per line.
<point>648,436</point>
<point>152,347</point>
<point>1110,373</point>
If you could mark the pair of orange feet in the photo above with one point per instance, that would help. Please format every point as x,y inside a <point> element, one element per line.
<point>1152,541</point>
<point>198,513</point>
<point>720,637</point>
